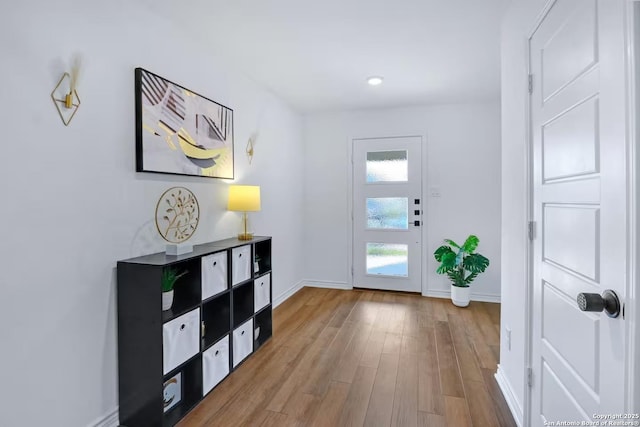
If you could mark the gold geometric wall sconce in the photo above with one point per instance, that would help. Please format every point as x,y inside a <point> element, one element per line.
<point>251,146</point>
<point>65,96</point>
<point>66,99</point>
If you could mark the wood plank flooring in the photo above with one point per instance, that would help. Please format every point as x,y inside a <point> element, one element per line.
<point>366,358</point>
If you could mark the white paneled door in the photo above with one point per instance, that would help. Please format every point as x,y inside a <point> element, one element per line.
<point>387,213</point>
<point>577,58</point>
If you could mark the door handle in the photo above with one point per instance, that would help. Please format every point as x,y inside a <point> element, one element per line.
<point>608,302</point>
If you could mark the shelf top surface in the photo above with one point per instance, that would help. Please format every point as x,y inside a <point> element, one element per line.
<point>161,258</point>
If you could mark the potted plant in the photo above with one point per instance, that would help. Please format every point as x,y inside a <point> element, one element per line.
<point>456,261</point>
<point>169,278</point>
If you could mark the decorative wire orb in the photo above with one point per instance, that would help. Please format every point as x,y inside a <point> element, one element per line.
<point>177,215</point>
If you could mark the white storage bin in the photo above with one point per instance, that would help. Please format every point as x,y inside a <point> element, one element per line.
<point>215,364</point>
<point>262,292</point>
<point>242,342</point>
<point>240,264</point>
<point>180,339</point>
<point>214,274</point>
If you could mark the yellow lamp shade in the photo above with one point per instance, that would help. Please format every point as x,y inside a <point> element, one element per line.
<point>244,198</point>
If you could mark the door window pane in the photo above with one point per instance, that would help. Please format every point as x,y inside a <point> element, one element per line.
<point>388,259</point>
<point>388,213</point>
<point>390,166</point>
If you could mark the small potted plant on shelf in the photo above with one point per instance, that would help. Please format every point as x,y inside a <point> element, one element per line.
<point>169,278</point>
<point>456,261</point>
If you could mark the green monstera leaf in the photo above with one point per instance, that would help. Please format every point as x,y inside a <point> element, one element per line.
<point>441,251</point>
<point>457,277</point>
<point>446,257</point>
<point>452,243</point>
<point>475,263</point>
<point>470,244</point>
<point>470,278</point>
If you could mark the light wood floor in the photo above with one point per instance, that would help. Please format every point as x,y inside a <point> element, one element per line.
<point>354,358</point>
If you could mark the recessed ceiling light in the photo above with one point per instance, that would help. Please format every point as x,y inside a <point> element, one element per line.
<point>375,80</point>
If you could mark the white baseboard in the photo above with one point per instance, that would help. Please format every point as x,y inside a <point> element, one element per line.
<point>509,396</point>
<point>326,284</point>
<point>109,420</point>
<point>437,293</point>
<point>287,294</point>
<point>431,293</point>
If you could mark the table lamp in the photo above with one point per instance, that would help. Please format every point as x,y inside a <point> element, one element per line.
<point>244,198</point>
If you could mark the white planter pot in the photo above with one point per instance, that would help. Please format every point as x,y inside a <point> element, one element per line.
<point>167,300</point>
<point>460,296</point>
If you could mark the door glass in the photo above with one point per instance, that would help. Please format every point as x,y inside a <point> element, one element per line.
<point>388,213</point>
<point>387,259</point>
<point>390,166</point>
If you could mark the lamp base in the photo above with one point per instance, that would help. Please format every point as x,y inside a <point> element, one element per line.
<point>245,236</point>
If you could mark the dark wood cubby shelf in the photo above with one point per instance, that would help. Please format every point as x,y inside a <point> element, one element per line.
<point>198,336</point>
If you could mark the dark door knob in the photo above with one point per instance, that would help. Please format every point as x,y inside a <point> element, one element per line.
<point>608,302</point>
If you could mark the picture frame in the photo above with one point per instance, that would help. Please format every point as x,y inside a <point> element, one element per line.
<point>179,131</point>
<point>172,392</point>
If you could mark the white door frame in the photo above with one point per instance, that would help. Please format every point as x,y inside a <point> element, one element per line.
<point>632,300</point>
<point>425,204</point>
<point>633,134</point>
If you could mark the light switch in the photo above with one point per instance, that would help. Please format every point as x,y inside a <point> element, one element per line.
<point>435,192</point>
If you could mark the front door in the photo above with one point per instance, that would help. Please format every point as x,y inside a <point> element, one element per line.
<point>580,210</point>
<point>387,213</point>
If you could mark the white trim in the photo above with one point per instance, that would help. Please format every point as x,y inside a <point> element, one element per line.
<point>543,14</point>
<point>427,208</point>
<point>350,231</point>
<point>287,294</point>
<point>325,284</point>
<point>509,396</point>
<point>438,293</point>
<point>529,267</point>
<point>109,420</point>
<point>528,253</point>
<point>633,288</point>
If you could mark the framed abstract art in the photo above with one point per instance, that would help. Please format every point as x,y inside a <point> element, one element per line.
<point>179,131</point>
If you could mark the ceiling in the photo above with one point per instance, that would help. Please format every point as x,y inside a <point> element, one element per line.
<point>316,55</point>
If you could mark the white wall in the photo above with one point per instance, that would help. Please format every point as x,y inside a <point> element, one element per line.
<point>517,25</point>
<point>73,204</point>
<point>463,160</point>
